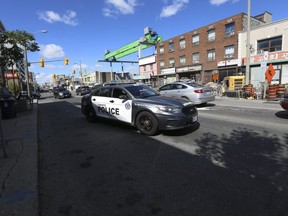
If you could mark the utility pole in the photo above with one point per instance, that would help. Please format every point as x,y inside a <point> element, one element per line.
<point>247,74</point>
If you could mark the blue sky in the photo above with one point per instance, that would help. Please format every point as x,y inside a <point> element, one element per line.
<point>83,29</point>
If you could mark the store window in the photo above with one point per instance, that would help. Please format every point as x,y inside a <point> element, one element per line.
<point>229,52</point>
<point>229,29</point>
<point>211,55</point>
<point>182,44</point>
<point>195,40</point>
<point>171,62</point>
<point>182,60</point>
<point>171,47</point>
<point>161,50</point>
<point>270,45</point>
<point>211,35</point>
<point>195,58</point>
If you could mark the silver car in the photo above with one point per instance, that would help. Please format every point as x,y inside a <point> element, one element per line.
<point>198,94</point>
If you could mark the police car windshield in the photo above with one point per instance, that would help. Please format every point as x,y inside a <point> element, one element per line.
<point>141,91</point>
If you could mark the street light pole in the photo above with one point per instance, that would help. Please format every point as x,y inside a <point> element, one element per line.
<point>26,71</point>
<point>247,73</point>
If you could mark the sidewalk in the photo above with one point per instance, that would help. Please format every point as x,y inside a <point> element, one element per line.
<point>247,103</point>
<point>19,170</point>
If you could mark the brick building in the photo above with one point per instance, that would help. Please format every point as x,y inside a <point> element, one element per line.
<point>200,53</point>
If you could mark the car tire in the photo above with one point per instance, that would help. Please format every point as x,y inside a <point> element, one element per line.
<point>147,124</point>
<point>91,115</point>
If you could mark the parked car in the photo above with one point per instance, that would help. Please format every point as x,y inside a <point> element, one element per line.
<point>61,92</point>
<point>35,94</point>
<point>83,90</point>
<point>197,94</point>
<point>140,106</point>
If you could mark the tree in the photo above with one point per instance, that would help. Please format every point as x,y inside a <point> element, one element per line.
<point>12,44</point>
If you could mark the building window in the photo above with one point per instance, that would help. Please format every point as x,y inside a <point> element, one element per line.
<point>151,67</point>
<point>229,52</point>
<point>211,35</point>
<point>229,29</point>
<point>171,47</point>
<point>161,64</point>
<point>171,62</point>
<point>195,58</point>
<point>144,67</point>
<point>161,50</point>
<point>211,55</point>
<point>195,40</point>
<point>270,45</point>
<point>182,60</point>
<point>182,43</point>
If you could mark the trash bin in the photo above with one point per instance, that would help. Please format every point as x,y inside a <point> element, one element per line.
<point>7,108</point>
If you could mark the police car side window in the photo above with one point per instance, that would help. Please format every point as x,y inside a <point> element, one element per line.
<point>104,92</point>
<point>117,92</point>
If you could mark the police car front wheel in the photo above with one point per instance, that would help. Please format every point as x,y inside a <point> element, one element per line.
<point>91,115</point>
<point>147,123</point>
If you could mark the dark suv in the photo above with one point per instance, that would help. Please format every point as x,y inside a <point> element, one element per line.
<point>61,92</point>
<point>83,90</point>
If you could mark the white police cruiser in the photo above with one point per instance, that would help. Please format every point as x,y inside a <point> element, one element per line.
<point>140,106</point>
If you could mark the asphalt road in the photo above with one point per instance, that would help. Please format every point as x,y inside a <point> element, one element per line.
<point>234,162</point>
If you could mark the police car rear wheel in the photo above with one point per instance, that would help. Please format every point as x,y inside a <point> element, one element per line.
<point>147,123</point>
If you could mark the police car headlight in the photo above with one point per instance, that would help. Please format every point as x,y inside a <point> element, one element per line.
<point>169,109</point>
<point>60,93</point>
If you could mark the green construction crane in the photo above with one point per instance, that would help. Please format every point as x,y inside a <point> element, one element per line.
<point>150,38</point>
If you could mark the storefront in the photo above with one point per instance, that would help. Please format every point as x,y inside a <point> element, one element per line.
<point>192,73</point>
<point>166,76</point>
<point>227,68</point>
<point>260,63</point>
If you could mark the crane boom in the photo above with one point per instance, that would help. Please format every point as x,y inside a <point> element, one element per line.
<point>150,39</point>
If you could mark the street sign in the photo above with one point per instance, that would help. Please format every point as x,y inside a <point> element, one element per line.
<point>270,72</point>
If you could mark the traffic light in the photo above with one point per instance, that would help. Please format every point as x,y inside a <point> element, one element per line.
<point>42,62</point>
<point>66,61</point>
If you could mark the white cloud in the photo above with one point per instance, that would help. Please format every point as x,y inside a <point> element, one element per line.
<point>116,7</point>
<point>69,17</point>
<point>173,8</point>
<point>219,2</point>
<point>51,51</point>
<point>43,78</point>
<point>77,67</point>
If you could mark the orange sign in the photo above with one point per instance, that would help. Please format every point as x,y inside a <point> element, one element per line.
<point>270,72</point>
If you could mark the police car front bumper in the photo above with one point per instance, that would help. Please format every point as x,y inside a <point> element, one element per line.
<point>173,122</point>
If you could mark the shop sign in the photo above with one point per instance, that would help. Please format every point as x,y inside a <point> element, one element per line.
<point>190,68</point>
<point>10,75</point>
<point>168,71</point>
<point>278,56</point>
<point>228,62</point>
<point>140,77</point>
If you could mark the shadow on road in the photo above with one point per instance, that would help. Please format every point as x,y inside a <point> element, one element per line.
<point>108,169</point>
<point>282,114</point>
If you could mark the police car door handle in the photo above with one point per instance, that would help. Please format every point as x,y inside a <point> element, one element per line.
<point>94,99</point>
<point>111,101</point>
